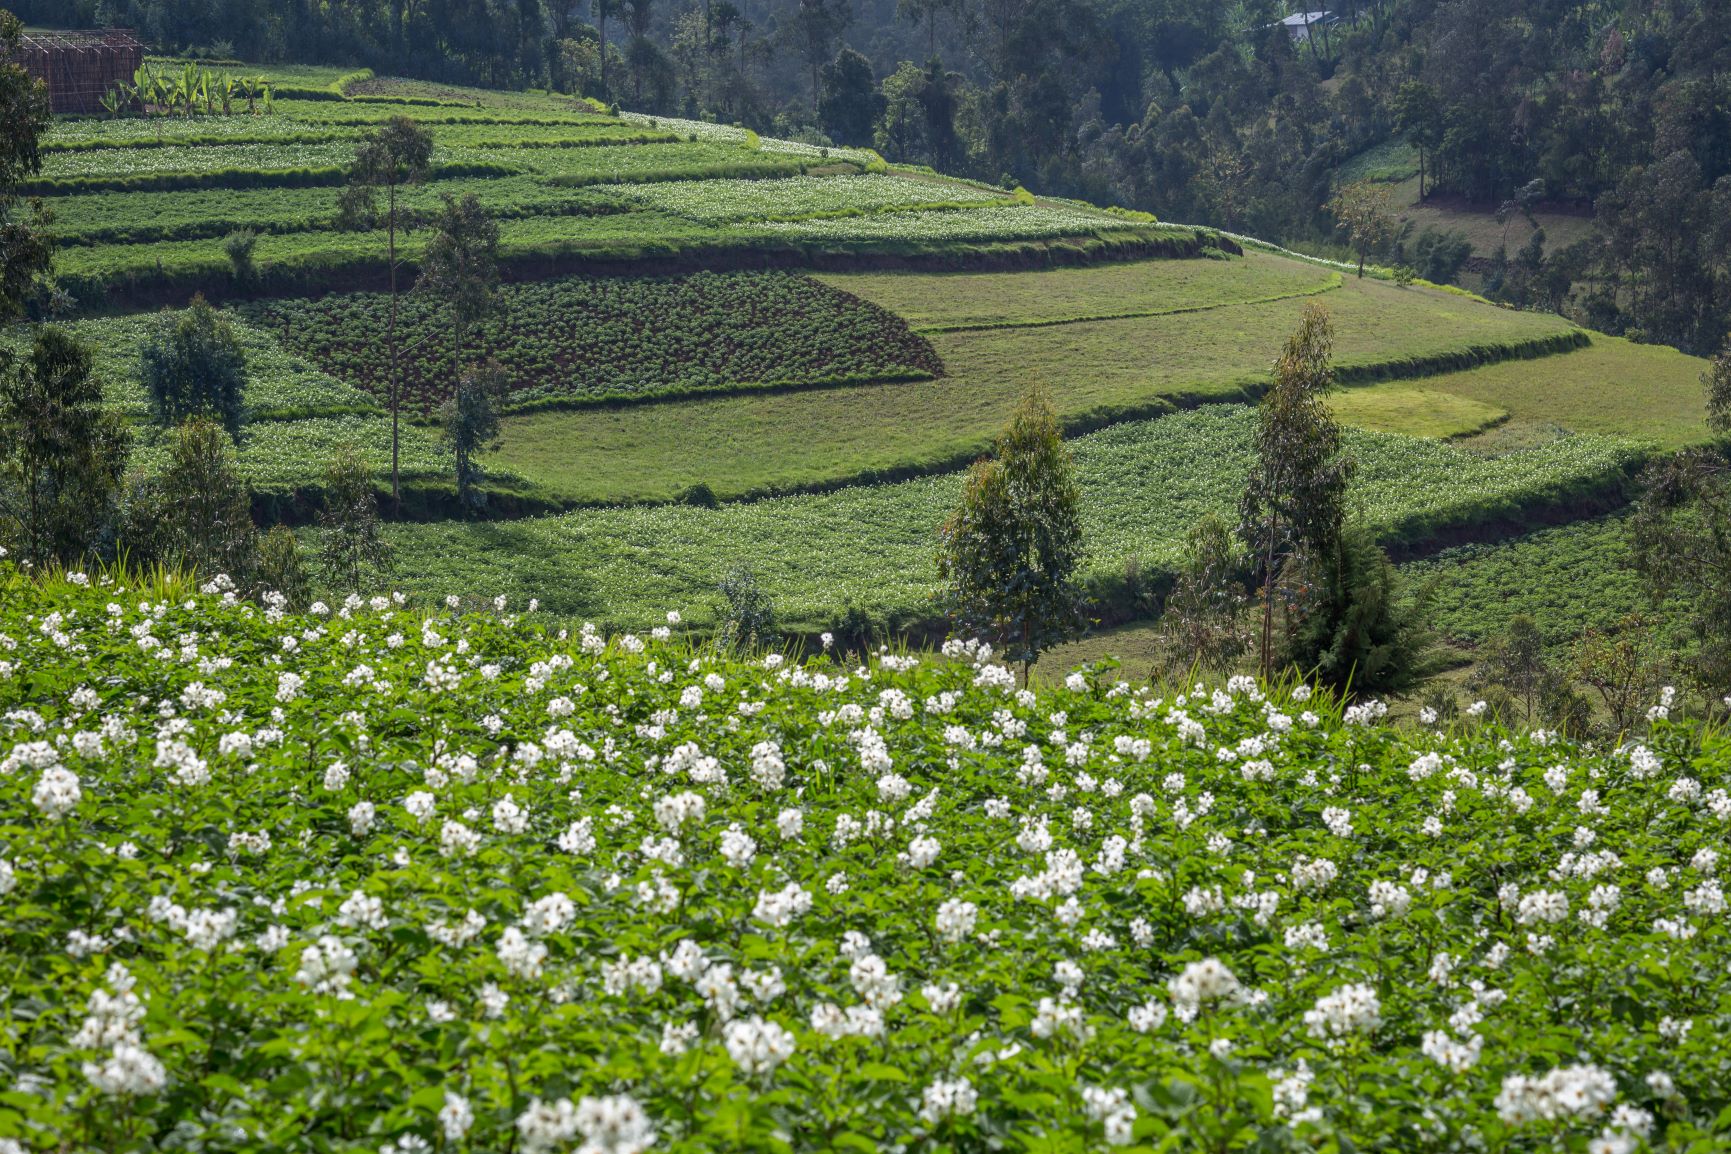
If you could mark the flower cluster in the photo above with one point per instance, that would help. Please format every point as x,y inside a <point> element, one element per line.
<point>446,880</point>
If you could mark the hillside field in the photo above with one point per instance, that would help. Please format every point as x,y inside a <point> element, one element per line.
<point>816,339</point>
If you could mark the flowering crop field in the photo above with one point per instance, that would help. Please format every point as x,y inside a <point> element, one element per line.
<point>384,879</point>
<point>1144,483</point>
<point>588,339</point>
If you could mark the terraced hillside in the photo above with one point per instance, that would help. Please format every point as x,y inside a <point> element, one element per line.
<point>816,339</point>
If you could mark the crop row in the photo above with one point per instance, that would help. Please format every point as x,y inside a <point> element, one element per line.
<point>351,112</point>
<point>122,162</point>
<point>726,201</point>
<point>1568,579</point>
<point>302,262</point>
<point>1018,222</point>
<point>281,458</point>
<point>142,217</point>
<point>1144,484</point>
<point>111,218</point>
<point>601,339</point>
<point>730,134</point>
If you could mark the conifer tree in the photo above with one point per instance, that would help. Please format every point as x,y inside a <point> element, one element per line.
<point>1009,551</point>
<point>1296,498</point>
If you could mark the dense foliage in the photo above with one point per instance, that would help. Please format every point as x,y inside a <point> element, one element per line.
<point>192,364</point>
<point>385,876</point>
<point>607,338</point>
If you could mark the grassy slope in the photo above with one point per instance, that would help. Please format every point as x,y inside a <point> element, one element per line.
<point>1649,392</point>
<point>945,300</point>
<point>740,445</point>
<point>1414,410</point>
<point>1143,482</point>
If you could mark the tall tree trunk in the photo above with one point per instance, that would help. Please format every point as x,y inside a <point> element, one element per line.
<point>391,340</point>
<point>1268,603</point>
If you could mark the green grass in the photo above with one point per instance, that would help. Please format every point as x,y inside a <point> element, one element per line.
<point>1648,392</point>
<point>1096,371</point>
<point>1480,226</point>
<point>988,300</point>
<point>1390,162</point>
<point>1413,410</point>
<point>1133,646</point>
<point>1144,484</point>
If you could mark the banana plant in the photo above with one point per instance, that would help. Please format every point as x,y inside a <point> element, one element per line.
<point>249,89</point>
<point>225,91</point>
<point>188,89</point>
<point>269,107</point>
<point>111,100</point>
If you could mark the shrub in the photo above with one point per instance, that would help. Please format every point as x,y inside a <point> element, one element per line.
<point>700,495</point>
<point>746,616</point>
<point>62,453</point>
<point>280,568</point>
<point>196,513</point>
<point>238,247</point>
<point>1358,631</point>
<point>352,551</point>
<point>1011,548</point>
<point>193,366</point>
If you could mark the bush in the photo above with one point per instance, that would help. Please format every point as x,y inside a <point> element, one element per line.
<point>1439,254</point>
<point>238,247</point>
<point>197,513</point>
<point>700,495</point>
<point>192,366</point>
<point>352,551</point>
<point>1358,632</point>
<point>280,568</point>
<point>746,616</point>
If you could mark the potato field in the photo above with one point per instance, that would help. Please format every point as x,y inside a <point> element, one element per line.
<point>398,877</point>
<point>592,340</point>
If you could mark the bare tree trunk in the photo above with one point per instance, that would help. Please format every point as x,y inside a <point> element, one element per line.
<point>391,339</point>
<point>1268,604</point>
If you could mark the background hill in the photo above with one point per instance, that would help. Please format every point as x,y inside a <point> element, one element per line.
<point>1559,153</point>
<point>655,367</point>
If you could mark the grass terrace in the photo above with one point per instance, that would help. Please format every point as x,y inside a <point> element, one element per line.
<point>1098,371</point>
<point>1144,483</point>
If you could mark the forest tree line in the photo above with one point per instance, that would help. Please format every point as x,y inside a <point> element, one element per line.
<point>1205,113</point>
